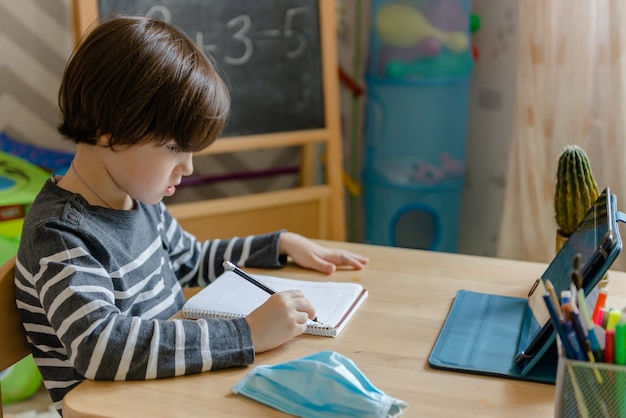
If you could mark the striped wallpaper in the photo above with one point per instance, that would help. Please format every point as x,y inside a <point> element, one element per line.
<point>35,42</point>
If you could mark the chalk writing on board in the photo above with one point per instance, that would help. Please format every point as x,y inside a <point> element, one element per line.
<point>269,54</point>
<point>242,25</point>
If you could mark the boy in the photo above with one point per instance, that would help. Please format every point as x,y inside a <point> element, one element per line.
<point>101,261</point>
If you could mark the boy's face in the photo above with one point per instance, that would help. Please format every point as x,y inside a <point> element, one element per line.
<point>148,172</point>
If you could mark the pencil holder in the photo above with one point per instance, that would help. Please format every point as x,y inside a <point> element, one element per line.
<point>585,389</point>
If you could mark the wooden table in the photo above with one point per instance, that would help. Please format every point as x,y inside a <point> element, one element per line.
<point>389,339</point>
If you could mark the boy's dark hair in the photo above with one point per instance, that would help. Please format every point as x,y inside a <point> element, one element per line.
<point>142,80</point>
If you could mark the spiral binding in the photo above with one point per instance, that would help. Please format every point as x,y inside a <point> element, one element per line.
<point>320,329</point>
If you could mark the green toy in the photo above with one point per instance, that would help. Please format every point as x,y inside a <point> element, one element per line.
<point>20,381</point>
<point>20,181</point>
<point>444,64</point>
<point>474,23</point>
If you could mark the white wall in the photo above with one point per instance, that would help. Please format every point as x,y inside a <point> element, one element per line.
<point>490,125</point>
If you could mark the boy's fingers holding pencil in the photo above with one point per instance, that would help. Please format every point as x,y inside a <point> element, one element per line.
<point>283,316</point>
<point>300,305</point>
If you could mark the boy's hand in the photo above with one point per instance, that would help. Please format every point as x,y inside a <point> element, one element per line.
<point>282,317</point>
<point>312,255</point>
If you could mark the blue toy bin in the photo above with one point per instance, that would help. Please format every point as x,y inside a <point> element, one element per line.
<point>416,122</point>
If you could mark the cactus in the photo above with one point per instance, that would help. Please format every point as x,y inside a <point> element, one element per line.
<point>576,189</point>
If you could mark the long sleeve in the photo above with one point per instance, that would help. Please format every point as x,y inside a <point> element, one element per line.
<point>197,263</point>
<point>95,288</point>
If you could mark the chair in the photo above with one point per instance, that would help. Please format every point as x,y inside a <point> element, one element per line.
<point>14,346</point>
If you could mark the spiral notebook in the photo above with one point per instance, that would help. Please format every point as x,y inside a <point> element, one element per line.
<point>230,296</point>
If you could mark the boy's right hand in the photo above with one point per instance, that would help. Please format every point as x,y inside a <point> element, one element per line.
<point>282,317</point>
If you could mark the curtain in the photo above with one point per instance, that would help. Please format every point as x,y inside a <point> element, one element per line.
<point>571,70</point>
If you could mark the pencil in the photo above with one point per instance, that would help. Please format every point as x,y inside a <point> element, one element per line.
<point>231,267</point>
<point>558,326</point>
<point>550,288</point>
<point>591,334</point>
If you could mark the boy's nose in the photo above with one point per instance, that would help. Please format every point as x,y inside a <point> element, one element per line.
<point>186,167</point>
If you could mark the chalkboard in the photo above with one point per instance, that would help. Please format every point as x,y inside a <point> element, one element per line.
<point>268,53</point>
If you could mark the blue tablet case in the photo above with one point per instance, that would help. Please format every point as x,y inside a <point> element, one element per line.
<point>484,333</point>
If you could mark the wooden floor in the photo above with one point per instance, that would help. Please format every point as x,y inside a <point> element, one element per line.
<point>38,406</point>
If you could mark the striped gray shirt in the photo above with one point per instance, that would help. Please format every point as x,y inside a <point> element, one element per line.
<point>95,288</point>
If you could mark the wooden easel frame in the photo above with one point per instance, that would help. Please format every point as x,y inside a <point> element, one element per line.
<point>316,211</point>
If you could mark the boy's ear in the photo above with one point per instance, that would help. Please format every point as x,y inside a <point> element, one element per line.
<point>104,140</point>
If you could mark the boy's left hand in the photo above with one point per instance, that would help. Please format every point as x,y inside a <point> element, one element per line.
<point>309,254</point>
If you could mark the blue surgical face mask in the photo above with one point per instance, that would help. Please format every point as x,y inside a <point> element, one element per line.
<point>324,384</point>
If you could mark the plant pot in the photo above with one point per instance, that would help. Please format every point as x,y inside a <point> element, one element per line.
<point>561,239</point>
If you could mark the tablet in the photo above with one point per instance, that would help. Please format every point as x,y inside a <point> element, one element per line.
<point>598,242</point>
